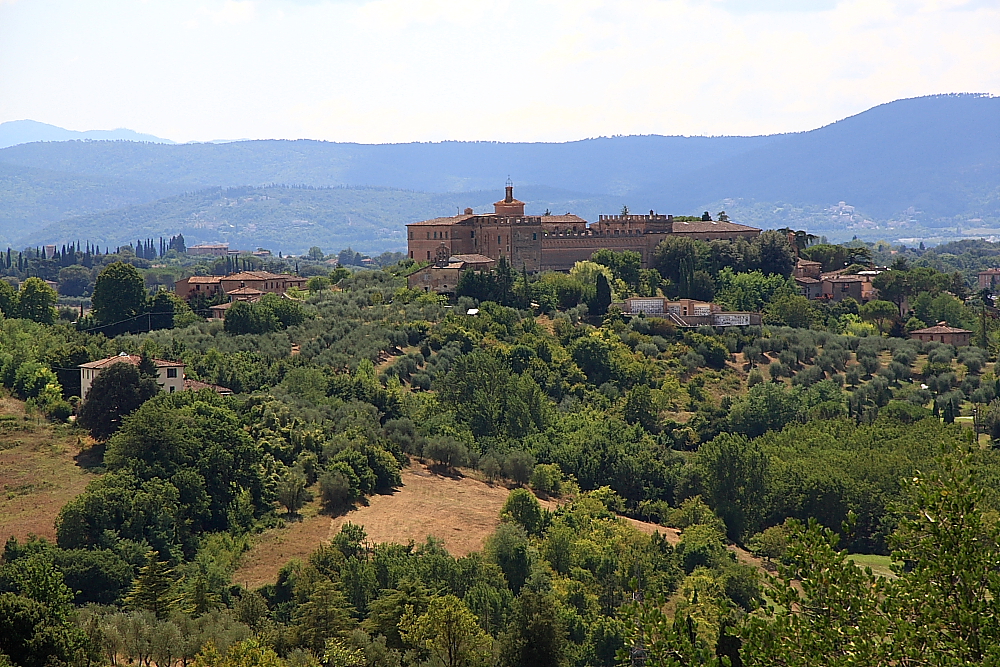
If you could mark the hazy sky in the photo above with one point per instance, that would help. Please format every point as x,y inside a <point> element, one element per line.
<point>428,70</point>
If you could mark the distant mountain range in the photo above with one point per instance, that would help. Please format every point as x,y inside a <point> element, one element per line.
<point>16,132</point>
<point>924,167</point>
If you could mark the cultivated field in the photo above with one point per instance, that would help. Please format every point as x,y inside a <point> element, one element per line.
<point>40,470</point>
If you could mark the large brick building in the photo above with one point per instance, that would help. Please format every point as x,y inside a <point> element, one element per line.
<point>553,242</point>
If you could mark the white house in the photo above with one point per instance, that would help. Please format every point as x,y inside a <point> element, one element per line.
<point>170,374</point>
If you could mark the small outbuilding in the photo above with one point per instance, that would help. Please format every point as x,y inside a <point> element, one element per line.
<point>942,333</point>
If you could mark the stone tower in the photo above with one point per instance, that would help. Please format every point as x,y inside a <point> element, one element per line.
<point>509,206</point>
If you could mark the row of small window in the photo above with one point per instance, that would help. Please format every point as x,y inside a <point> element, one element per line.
<point>439,235</point>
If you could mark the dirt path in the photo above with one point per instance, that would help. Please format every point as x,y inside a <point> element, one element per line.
<point>39,472</point>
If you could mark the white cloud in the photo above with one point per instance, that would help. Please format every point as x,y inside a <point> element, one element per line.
<point>398,70</point>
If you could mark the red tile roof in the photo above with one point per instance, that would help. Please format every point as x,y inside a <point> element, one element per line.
<point>471,259</point>
<point>702,227</point>
<point>453,220</point>
<point>941,328</point>
<point>196,385</point>
<point>133,359</point>
<point>245,291</point>
<point>255,275</point>
<point>568,219</point>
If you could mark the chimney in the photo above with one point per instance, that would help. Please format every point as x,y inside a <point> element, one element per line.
<point>510,191</point>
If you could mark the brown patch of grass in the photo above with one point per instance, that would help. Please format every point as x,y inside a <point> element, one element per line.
<point>546,323</point>
<point>458,509</point>
<point>672,534</point>
<point>42,467</point>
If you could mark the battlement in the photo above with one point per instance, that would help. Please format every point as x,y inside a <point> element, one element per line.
<point>494,219</point>
<point>555,233</point>
<point>652,217</point>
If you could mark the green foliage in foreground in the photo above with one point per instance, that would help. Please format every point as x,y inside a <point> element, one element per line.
<point>941,608</point>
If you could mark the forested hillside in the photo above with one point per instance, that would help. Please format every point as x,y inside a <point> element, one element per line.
<point>293,219</point>
<point>616,165</point>
<point>32,198</point>
<point>823,437</point>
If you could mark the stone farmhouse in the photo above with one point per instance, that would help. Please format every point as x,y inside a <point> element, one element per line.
<point>989,278</point>
<point>263,282</point>
<point>169,375</point>
<point>443,276</point>
<point>553,242</point>
<point>943,333</point>
<point>832,286</point>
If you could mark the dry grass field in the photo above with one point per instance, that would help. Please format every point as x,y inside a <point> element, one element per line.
<point>460,510</point>
<point>41,468</point>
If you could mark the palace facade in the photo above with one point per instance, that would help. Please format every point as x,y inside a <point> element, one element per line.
<point>553,242</point>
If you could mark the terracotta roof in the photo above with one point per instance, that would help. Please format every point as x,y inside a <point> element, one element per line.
<point>196,385</point>
<point>701,227</point>
<point>248,291</point>
<point>989,272</point>
<point>808,262</point>
<point>222,306</point>
<point>471,259</point>
<point>512,202</point>
<point>844,279</point>
<point>256,275</point>
<point>453,220</point>
<point>204,280</point>
<point>941,328</point>
<point>133,359</point>
<point>568,219</point>
<point>808,280</point>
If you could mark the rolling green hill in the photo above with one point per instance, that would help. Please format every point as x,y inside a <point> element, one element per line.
<point>32,198</point>
<point>293,219</point>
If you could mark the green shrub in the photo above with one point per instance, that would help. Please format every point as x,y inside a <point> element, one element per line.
<point>547,478</point>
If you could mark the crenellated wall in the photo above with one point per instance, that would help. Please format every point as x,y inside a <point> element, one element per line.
<point>560,253</point>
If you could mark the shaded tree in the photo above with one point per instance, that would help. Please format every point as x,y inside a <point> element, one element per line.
<point>115,393</point>
<point>119,293</point>
<point>35,301</point>
<point>74,280</point>
<point>449,633</point>
<point>734,473</point>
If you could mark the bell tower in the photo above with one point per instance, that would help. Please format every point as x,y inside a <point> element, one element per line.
<point>509,206</point>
